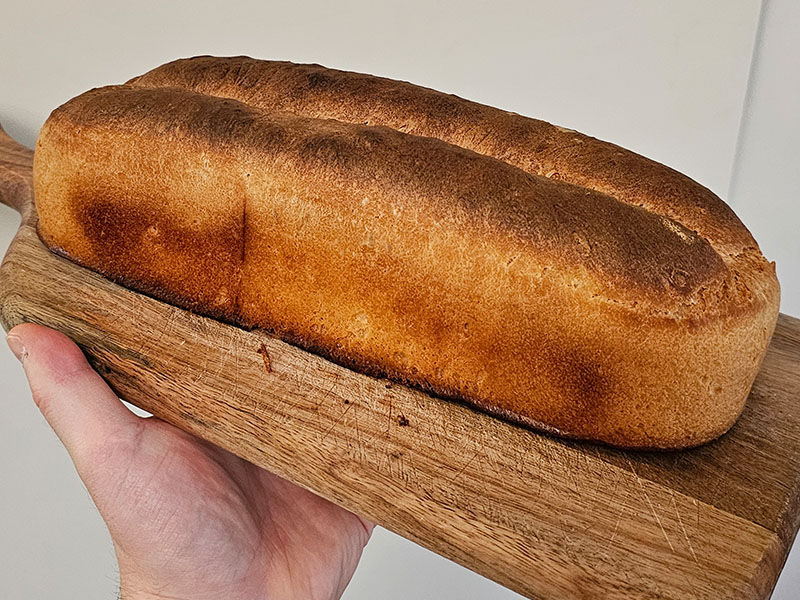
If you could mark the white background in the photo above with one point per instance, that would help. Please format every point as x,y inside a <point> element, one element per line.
<point>668,80</point>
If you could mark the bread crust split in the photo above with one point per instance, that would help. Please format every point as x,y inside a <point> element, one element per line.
<point>536,273</point>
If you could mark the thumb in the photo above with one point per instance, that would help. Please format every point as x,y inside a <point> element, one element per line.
<point>74,399</point>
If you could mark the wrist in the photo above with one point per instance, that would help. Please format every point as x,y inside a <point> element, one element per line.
<point>132,587</point>
<point>141,588</point>
<point>134,590</point>
<point>135,594</point>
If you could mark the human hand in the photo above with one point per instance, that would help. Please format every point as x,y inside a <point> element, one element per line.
<point>189,520</point>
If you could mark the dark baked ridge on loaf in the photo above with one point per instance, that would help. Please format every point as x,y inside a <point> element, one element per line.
<point>407,256</point>
<point>533,145</point>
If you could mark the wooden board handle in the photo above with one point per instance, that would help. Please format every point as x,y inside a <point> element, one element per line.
<point>16,175</point>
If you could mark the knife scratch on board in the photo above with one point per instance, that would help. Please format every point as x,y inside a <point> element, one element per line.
<point>167,326</point>
<point>683,528</point>
<point>300,375</point>
<point>650,504</point>
<point>336,422</point>
<point>623,507</point>
<point>327,393</point>
<point>463,468</point>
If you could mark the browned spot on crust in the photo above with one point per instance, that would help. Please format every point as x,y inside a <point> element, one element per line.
<point>582,381</point>
<point>137,241</point>
<point>402,421</point>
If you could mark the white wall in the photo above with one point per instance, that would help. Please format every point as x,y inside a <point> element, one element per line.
<point>765,187</point>
<point>665,79</point>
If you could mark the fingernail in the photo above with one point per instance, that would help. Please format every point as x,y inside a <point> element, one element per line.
<point>17,347</point>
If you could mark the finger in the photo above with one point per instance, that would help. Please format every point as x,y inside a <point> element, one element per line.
<point>74,399</point>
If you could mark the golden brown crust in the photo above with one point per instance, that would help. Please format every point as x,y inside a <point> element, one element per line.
<point>414,258</point>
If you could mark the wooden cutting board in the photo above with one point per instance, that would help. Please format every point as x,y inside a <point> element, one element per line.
<point>545,517</point>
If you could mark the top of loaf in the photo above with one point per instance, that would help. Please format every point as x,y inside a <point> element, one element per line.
<point>737,280</point>
<point>533,145</point>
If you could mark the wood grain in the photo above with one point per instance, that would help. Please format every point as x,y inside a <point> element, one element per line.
<point>545,517</point>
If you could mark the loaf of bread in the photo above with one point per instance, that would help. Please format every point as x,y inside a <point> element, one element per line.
<point>528,270</point>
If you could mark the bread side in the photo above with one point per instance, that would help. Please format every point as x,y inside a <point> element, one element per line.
<point>408,257</point>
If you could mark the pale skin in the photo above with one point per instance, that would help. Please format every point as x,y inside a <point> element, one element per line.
<point>188,520</point>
